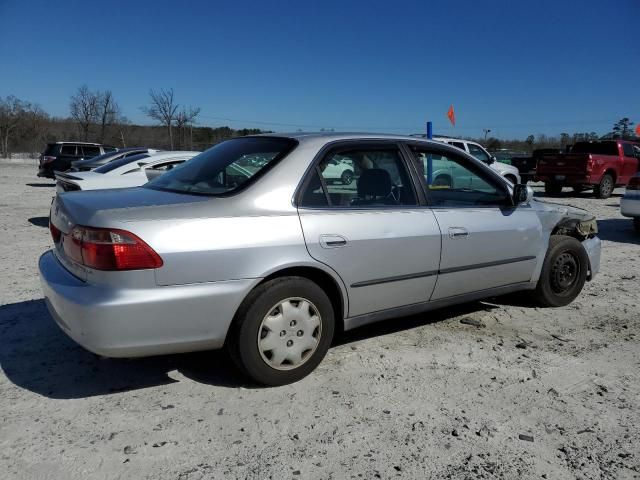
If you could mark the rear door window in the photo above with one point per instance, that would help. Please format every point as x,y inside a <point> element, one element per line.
<point>68,150</point>
<point>90,151</point>
<point>360,177</point>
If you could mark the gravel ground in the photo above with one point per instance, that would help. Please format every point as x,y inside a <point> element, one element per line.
<point>486,390</point>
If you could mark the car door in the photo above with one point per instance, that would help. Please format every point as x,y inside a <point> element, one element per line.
<point>373,232</point>
<point>486,242</point>
<point>630,163</point>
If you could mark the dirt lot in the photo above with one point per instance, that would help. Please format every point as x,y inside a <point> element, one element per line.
<point>529,393</point>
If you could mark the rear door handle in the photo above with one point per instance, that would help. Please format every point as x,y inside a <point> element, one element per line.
<point>332,241</point>
<point>458,232</point>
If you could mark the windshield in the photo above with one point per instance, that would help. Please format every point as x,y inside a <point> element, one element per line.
<point>120,162</point>
<point>598,148</point>
<point>226,167</point>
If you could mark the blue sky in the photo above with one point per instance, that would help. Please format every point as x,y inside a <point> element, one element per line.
<point>516,67</point>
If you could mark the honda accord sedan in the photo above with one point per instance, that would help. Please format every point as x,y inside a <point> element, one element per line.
<point>248,247</point>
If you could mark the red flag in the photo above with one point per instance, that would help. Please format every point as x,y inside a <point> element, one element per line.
<point>638,130</point>
<point>452,115</point>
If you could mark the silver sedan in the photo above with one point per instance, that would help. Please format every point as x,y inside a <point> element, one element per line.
<point>250,247</point>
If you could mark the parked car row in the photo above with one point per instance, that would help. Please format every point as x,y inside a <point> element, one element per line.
<point>128,171</point>
<point>262,245</point>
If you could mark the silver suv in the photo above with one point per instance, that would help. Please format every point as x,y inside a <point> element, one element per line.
<point>252,246</point>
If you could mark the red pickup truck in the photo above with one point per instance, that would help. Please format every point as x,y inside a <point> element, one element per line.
<point>601,165</point>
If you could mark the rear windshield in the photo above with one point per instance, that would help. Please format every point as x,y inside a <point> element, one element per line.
<point>120,162</point>
<point>598,148</point>
<point>227,167</point>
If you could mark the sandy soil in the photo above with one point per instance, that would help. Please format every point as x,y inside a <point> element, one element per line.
<point>523,393</point>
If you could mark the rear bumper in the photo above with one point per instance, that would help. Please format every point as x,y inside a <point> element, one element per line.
<point>593,247</point>
<point>630,206</point>
<point>127,322</point>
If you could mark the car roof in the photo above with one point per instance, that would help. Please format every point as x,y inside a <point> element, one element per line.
<point>327,137</point>
<point>77,143</point>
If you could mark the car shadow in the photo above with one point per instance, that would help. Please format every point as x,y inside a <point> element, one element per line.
<point>37,185</point>
<point>618,230</point>
<point>39,221</point>
<point>36,355</point>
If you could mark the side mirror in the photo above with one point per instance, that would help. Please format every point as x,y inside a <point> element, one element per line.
<point>521,194</point>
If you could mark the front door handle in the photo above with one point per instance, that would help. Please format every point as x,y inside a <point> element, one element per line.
<point>332,241</point>
<point>458,232</point>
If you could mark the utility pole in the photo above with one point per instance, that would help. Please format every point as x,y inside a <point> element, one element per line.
<point>486,131</point>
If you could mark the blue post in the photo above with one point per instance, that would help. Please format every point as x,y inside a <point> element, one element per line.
<point>429,161</point>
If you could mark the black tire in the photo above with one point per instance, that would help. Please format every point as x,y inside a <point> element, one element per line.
<point>605,188</point>
<point>347,177</point>
<point>636,224</point>
<point>552,188</point>
<point>563,273</point>
<point>242,341</point>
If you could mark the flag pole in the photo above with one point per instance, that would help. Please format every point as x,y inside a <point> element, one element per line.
<point>429,160</point>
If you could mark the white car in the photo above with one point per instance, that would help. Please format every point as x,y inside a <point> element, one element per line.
<point>127,172</point>
<point>509,172</point>
<point>340,168</point>
<point>630,203</point>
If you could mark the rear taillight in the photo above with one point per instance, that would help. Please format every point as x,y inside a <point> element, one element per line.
<point>634,183</point>
<point>55,233</point>
<point>109,249</point>
<point>590,164</point>
<point>47,159</point>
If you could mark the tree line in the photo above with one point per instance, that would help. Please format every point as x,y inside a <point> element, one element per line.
<point>95,116</point>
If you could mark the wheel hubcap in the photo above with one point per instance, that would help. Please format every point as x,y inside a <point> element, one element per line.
<point>564,272</point>
<point>289,333</point>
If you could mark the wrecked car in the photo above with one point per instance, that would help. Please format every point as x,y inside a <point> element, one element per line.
<point>270,261</point>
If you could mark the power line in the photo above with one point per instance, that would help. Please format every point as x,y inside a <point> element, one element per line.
<point>565,124</point>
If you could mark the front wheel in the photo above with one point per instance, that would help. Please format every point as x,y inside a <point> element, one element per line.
<point>346,177</point>
<point>282,331</point>
<point>563,273</point>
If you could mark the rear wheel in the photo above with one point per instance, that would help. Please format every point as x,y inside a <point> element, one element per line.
<point>605,188</point>
<point>282,331</point>
<point>552,188</point>
<point>636,224</point>
<point>563,273</point>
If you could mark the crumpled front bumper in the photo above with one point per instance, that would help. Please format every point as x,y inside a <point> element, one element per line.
<point>593,247</point>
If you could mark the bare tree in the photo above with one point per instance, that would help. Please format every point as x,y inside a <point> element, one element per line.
<point>11,109</point>
<point>186,118</point>
<point>163,109</point>
<point>108,112</point>
<point>84,109</point>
